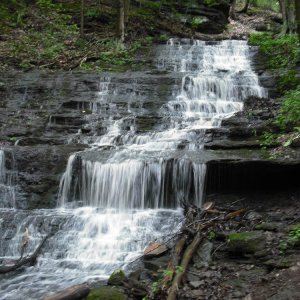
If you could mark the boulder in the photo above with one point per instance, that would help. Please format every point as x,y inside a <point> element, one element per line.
<point>116,278</point>
<point>246,242</point>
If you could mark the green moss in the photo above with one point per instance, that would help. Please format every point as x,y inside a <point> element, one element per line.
<point>106,293</point>
<point>116,277</point>
<point>241,236</point>
<point>246,242</point>
<point>266,227</point>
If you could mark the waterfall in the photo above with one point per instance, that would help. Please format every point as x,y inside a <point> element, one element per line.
<point>132,183</point>
<point>127,188</point>
<point>7,179</point>
<point>216,79</point>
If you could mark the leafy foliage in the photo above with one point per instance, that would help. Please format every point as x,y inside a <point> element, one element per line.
<point>289,115</point>
<point>281,52</point>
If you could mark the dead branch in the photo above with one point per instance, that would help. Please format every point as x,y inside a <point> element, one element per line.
<point>188,254</point>
<point>24,261</point>
<point>174,261</point>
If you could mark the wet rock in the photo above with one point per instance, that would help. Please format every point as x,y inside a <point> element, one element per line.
<point>261,253</point>
<point>192,277</point>
<point>246,242</point>
<point>202,257</point>
<point>196,284</point>
<point>156,263</point>
<point>196,294</point>
<point>281,263</point>
<point>106,293</point>
<point>253,216</point>
<point>116,278</point>
<point>155,249</point>
<point>267,227</point>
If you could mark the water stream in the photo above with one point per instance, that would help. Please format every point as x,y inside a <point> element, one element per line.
<point>127,188</point>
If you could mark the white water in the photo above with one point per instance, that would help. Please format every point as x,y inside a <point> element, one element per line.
<point>127,189</point>
<point>7,182</point>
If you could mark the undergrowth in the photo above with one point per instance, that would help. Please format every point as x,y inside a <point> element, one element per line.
<point>283,55</point>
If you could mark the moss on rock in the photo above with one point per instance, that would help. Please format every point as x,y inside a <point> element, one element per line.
<point>246,242</point>
<point>116,277</point>
<point>106,293</point>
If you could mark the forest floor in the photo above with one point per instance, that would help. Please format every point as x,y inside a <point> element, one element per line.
<point>48,38</point>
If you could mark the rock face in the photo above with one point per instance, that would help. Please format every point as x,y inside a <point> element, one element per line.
<point>210,19</point>
<point>43,117</point>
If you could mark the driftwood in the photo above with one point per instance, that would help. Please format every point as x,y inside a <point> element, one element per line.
<point>188,254</point>
<point>174,261</point>
<point>76,292</point>
<point>200,228</point>
<point>31,259</point>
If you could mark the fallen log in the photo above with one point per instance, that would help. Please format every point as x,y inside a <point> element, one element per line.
<point>188,254</point>
<point>76,292</point>
<point>24,261</point>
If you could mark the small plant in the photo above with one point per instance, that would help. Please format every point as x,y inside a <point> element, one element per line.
<point>163,38</point>
<point>92,13</point>
<point>283,246</point>
<point>179,269</point>
<point>292,239</point>
<point>197,21</point>
<point>211,235</point>
<point>268,139</point>
<point>294,234</point>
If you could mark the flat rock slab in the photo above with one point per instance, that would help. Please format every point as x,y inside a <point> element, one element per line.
<point>155,249</point>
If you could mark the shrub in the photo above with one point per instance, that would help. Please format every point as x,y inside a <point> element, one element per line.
<point>289,114</point>
<point>281,52</point>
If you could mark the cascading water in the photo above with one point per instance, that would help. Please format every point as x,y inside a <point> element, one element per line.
<point>7,180</point>
<point>126,190</point>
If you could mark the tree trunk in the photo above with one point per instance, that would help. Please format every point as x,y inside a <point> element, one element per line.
<point>232,9</point>
<point>121,22</point>
<point>297,9</point>
<point>245,8</point>
<point>288,16</point>
<point>82,18</point>
<point>126,11</point>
